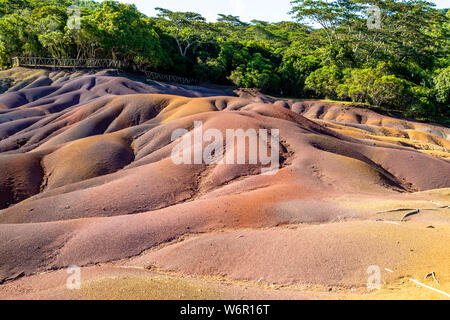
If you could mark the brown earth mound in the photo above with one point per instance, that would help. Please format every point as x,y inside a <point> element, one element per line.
<point>87,177</point>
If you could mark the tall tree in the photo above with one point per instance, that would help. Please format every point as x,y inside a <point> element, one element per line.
<point>127,34</point>
<point>187,28</point>
<point>234,20</point>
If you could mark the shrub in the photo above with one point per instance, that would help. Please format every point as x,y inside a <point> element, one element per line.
<point>294,70</point>
<point>375,86</point>
<point>257,73</point>
<point>442,86</point>
<point>421,103</point>
<point>324,81</point>
<point>389,91</point>
<point>358,83</point>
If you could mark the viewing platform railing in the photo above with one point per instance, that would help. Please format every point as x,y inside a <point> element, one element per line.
<point>168,78</point>
<point>65,63</point>
<point>94,64</point>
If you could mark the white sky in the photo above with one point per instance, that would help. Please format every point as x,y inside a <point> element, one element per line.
<point>247,10</point>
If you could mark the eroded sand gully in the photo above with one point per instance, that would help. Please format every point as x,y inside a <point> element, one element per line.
<point>87,179</point>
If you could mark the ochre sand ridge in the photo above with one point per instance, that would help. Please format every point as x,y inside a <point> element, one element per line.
<point>87,179</point>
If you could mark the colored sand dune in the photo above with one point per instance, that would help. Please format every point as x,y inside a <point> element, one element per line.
<point>87,179</point>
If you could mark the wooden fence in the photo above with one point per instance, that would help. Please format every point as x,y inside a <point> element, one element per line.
<point>168,78</point>
<point>92,64</point>
<point>65,63</point>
